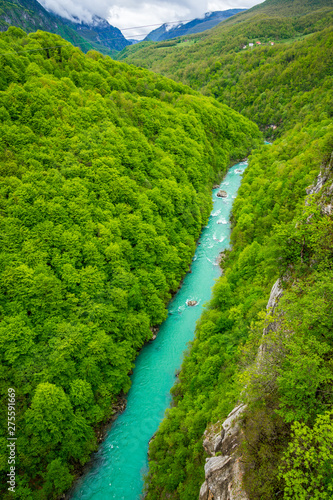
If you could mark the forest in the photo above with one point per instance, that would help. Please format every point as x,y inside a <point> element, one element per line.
<point>106,174</point>
<point>273,85</point>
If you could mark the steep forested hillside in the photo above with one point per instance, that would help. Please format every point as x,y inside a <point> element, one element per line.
<point>287,427</point>
<point>106,172</point>
<point>98,34</point>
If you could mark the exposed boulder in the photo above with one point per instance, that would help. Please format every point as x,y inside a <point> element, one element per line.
<point>324,176</point>
<point>273,322</point>
<point>222,194</point>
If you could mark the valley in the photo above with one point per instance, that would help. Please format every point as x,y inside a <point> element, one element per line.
<point>106,174</point>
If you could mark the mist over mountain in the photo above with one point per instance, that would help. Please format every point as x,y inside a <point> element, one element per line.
<point>172,30</point>
<point>97,31</point>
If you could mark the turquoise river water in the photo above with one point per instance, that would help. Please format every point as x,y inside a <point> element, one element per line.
<point>119,465</point>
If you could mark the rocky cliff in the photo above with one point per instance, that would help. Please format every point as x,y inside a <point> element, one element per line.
<point>223,470</point>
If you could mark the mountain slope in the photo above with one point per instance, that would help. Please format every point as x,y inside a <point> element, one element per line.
<point>289,8</point>
<point>211,19</point>
<point>99,33</point>
<point>27,14</point>
<point>192,59</point>
<point>31,16</point>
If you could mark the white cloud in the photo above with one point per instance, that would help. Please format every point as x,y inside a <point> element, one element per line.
<point>134,13</point>
<point>71,9</point>
<point>231,4</point>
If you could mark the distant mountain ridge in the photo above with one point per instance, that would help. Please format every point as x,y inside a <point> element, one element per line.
<point>31,16</point>
<point>99,31</point>
<point>211,19</point>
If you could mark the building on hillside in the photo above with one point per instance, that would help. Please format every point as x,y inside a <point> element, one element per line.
<point>250,44</point>
<point>244,46</point>
<point>272,43</point>
<point>258,43</point>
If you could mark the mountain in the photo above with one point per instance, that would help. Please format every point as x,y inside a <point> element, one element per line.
<point>31,16</point>
<point>211,19</point>
<point>187,59</point>
<point>26,14</point>
<point>98,32</point>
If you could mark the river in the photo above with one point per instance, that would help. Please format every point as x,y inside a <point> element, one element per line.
<point>119,465</point>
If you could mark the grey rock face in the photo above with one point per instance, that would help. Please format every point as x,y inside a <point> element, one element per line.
<point>223,473</point>
<point>276,294</point>
<point>324,184</point>
<point>204,492</point>
<point>322,178</point>
<point>222,194</point>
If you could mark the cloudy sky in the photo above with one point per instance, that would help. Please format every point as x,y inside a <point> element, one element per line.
<point>139,13</point>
